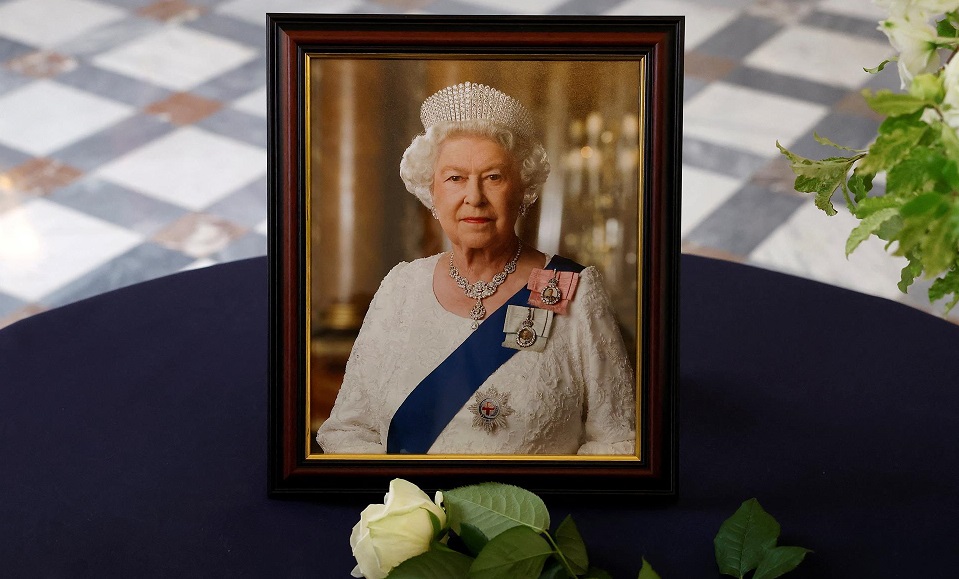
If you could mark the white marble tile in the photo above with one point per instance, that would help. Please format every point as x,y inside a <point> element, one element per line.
<point>812,244</point>
<point>865,9</point>
<point>703,192</point>
<point>253,103</point>
<point>514,7</point>
<point>175,57</point>
<point>44,245</point>
<point>748,119</point>
<point>254,11</point>
<point>43,116</point>
<point>46,23</point>
<point>189,167</point>
<point>824,56</point>
<point>701,20</point>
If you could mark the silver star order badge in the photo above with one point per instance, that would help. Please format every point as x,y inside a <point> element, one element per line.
<point>490,409</point>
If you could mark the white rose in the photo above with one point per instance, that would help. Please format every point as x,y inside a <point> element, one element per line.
<point>915,39</point>
<point>391,533</point>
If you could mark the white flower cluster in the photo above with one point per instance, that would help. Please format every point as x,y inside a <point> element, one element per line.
<point>911,29</point>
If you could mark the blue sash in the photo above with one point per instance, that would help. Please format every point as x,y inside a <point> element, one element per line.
<point>433,403</point>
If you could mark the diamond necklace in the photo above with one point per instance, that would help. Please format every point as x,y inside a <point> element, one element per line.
<point>481,290</point>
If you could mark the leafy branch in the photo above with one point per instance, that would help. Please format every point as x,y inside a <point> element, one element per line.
<point>503,533</point>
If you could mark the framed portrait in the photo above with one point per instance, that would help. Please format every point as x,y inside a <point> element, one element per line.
<point>403,149</point>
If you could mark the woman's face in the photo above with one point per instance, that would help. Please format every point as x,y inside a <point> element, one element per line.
<point>476,192</point>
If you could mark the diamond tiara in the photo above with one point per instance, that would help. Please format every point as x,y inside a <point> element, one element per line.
<point>470,101</point>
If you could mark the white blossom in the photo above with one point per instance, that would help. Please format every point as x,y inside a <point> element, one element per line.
<point>950,104</point>
<point>915,40</point>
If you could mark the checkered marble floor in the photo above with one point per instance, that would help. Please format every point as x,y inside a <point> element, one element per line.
<point>133,133</point>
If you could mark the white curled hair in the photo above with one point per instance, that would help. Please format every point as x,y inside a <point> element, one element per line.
<point>419,160</point>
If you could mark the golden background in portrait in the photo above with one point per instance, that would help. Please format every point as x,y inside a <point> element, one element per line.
<point>363,113</point>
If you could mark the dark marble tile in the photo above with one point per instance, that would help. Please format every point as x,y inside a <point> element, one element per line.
<point>10,304</point>
<point>692,86</point>
<point>845,24</point>
<point>746,219</point>
<point>841,128</point>
<point>234,83</point>
<point>10,49</point>
<point>246,206</point>
<point>720,159</point>
<point>740,37</point>
<point>230,28</point>
<point>114,86</point>
<point>250,245</point>
<point>784,85</point>
<point>237,125</point>
<point>113,142</point>
<point>109,36</point>
<point>118,205</point>
<point>10,158</point>
<point>143,262</point>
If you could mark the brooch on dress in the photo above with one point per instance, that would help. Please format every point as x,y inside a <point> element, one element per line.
<point>526,328</point>
<point>552,289</point>
<point>490,409</point>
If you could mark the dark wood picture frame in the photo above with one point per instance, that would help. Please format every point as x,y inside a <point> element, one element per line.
<point>656,43</point>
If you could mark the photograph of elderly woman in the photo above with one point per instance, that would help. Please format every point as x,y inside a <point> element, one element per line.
<point>473,257</point>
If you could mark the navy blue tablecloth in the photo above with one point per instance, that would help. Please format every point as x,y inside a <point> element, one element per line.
<point>133,436</point>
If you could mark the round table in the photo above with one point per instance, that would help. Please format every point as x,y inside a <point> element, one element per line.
<point>133,436</point>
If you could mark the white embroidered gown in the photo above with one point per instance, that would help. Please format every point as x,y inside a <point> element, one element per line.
<point>577,396</point>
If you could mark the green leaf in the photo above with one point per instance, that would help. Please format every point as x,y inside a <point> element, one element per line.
<point>825,141</point>
<point>822,177</point>
<point>433,564</point>
<point>473,538</point>
<point>950,174</point>
<point>517,553</point>
<point>918,172</point>
<point>909,273</point>
<point>780,561</point>
<point>435,522</point>
<point>597,573</point>
<point>938,247</point>
<point>922,204</point>
<point>895,142</point>
<point>945,285</point>
<point>554,570</point>
<point>928,88</point>
<point>571,544</point>
<point>870,205</point>
<point>893,104</point>
<point>860,184</point>
<point>881,66</point>
<point>647,571</point>
<point>494,507</point>
<point>744,538</point>
<point>867,227</point>
<point>945,29</point>
<point>949,139</point>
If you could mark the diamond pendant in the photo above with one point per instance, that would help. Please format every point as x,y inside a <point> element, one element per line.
<point>477,313</point>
